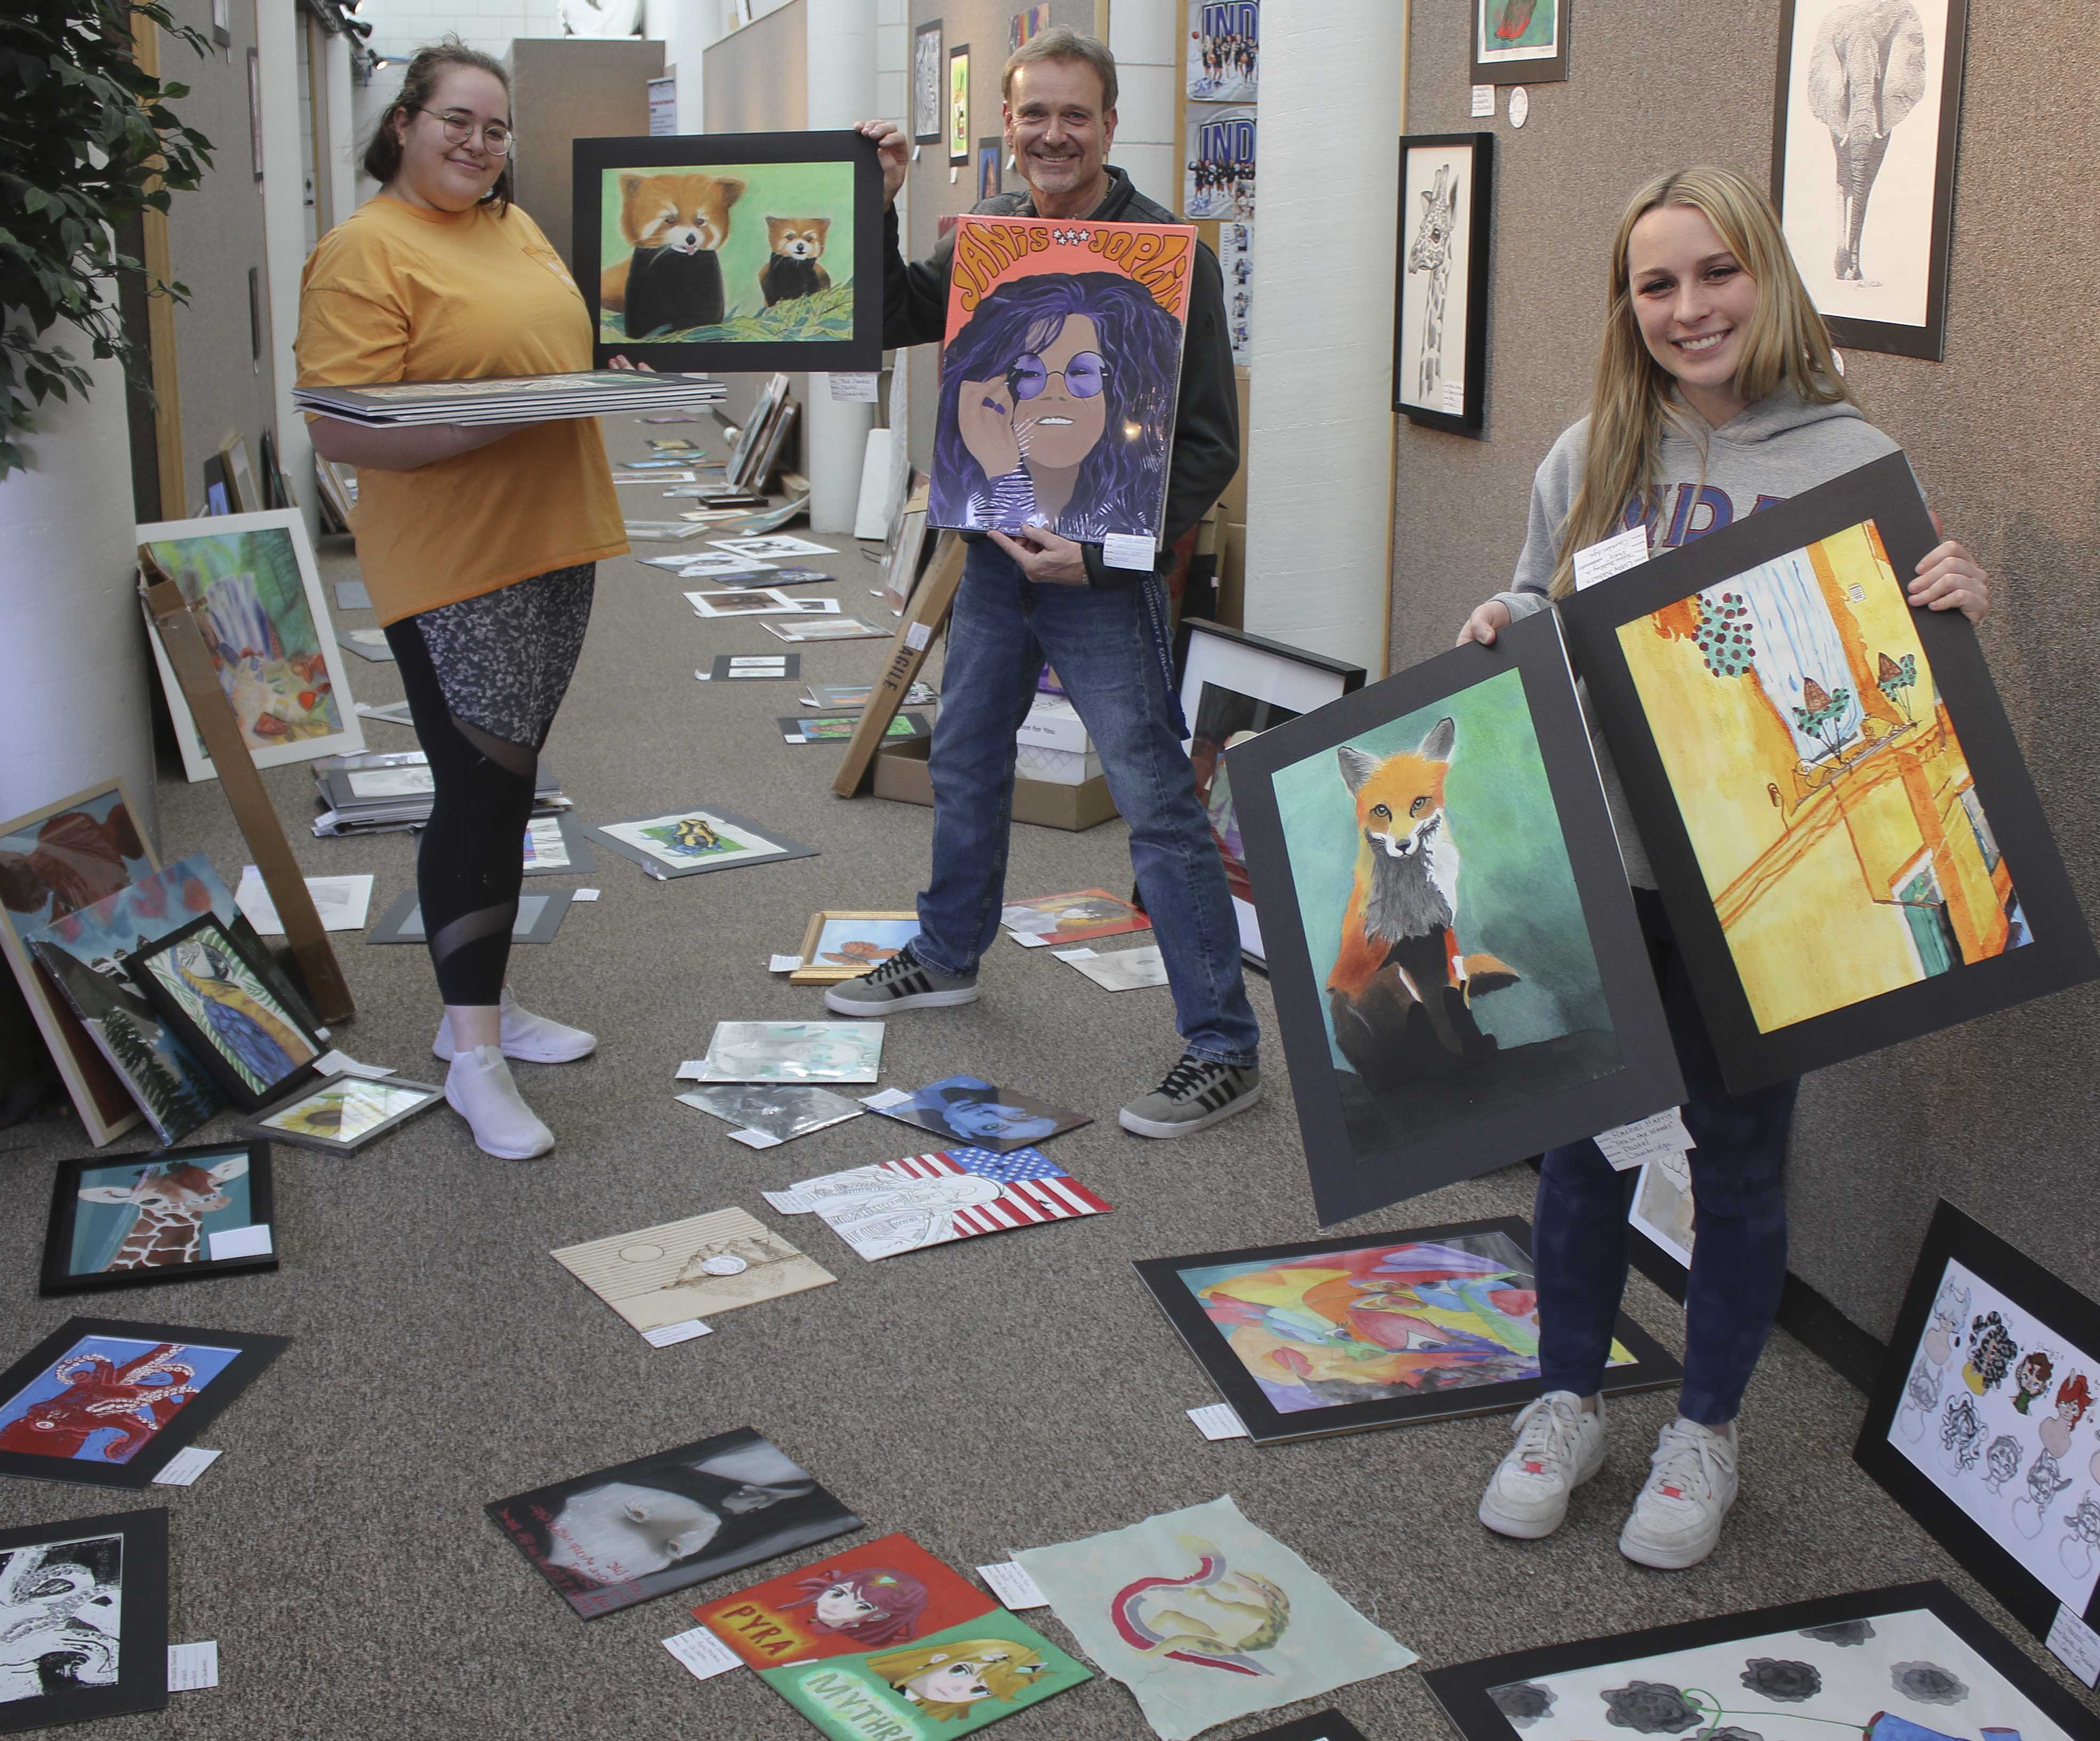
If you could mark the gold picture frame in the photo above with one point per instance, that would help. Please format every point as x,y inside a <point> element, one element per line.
<point>815,972</point>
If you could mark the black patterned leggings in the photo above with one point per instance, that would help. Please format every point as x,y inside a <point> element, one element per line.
<point>483,678</point>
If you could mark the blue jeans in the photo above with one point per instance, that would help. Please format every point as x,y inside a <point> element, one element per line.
<point>1107,654</point>
<point>1739,1215</point>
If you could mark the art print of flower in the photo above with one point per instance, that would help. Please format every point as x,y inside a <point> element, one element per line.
<point>1782,1681</point>
<point>1651,1708</point>
<point>1523,1703</point>
<point>1843,1632</point>
<point>1928,1683</point>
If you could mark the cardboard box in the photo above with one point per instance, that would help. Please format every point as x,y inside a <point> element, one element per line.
<point>1051,744</point>
<point>900,773</point>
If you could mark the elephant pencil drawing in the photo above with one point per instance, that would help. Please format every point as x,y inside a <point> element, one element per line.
<point>1865,73</point>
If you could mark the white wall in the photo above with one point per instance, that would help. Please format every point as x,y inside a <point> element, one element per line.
<point>1142,36</point>
<point>401,27</point>
<point>280,48</point>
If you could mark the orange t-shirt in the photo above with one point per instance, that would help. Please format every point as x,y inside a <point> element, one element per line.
<point>400,293</point>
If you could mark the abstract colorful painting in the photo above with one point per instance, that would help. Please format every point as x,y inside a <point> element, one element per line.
<point>1060,375</point>
<point>1912,1663</point>
<point>1840,822</point>
<point>1457,966</point>
<point>86,1608</point>
<point>1982,1424</point>
<point>256,598</point>
<point>747,251</point>
<point>609,1540</point>
<point>1206,1618</point>
<point>107,1403</point>
<point>140,1218</point>
<point>1337,1335</point>
<point>225,1017</point>
<point>931,1199</point>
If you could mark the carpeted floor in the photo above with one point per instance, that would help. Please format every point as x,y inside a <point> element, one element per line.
<point>1002,1393</point>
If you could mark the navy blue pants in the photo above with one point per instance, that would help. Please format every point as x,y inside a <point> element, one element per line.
<point>1739,1220</point>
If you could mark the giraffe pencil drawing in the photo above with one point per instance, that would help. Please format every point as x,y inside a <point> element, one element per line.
<point>1431,254</point>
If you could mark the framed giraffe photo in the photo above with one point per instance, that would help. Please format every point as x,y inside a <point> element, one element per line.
<point>1440,313</point>
<point>121,1221</point>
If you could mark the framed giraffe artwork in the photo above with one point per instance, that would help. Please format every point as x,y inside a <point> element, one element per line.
<point>121,1221</point>
<point>1866,118</point>
<point>1439,315</point>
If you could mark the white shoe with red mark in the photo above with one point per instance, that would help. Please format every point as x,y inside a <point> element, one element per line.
<point>1691,1483</point>
<point>1560,1445</point>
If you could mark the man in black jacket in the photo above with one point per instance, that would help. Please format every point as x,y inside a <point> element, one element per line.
<point>1103,627</point>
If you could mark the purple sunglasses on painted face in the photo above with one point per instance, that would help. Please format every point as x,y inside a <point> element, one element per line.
<point>1083,375</point>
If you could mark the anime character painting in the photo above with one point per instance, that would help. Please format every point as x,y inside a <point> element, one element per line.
<point>944,1681</point>
<point>1059,376</point>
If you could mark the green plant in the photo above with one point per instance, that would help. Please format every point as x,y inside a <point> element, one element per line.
<point>86,142</point>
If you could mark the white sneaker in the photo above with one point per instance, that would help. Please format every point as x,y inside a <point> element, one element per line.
<point>1560,1445</point>
<point>1690,1484</point>
<point>535,1040</point>
<point>479,1087</point>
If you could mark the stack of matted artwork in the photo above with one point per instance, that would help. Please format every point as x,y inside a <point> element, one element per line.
<point>1459,974</point>
<point>87,1619</point>
<point>1376,1329</point>
<point>129,1220</point>
<point>1850,848</point>
<point>739,251</point>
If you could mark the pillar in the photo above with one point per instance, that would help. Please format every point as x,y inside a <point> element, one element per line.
<point>278,48</point>
<point>841,62</point>
<point>1142,36</point>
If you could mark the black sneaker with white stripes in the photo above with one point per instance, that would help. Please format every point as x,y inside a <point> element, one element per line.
<point>1197,1094</point>
<point>904,982</point>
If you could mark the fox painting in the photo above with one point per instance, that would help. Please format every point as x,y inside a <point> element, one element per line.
<point>675,223</point>
<point>1400,994</point>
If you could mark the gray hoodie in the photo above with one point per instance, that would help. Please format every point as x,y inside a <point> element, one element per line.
<point>1777,448</point>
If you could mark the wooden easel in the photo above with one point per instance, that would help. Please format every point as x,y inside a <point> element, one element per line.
<point>922,621</point>
<point>183,643</point>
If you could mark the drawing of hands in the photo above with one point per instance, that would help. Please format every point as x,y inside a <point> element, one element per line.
<point>984,413</point>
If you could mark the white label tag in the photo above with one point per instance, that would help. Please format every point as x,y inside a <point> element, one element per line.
<point>704,1653</point>
<point>1454,398</point>
<point>1081,953</point>
<point>341,1064</point>
<point>1646,1139</point>
<point>1128,550</point>
<point>192,1667</point>
<point>1484,99</point>
<point>919,636</point>
<point>1217,1421</point>
<point>1029,939</point>
<point>252,1241</point>
<point>665,1335</point>
<point>1013,1586</point>
<point>1610,556</point>
<point>2075,1645</point>
<point>186,1466</point>
<point>789,1202</point>
<point>855,388</point>
<point>782,964</point>
<point>889,1097</point>
<point>754,1139</point>
<point>585,894</point>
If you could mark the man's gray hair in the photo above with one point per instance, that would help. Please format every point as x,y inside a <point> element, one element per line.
<point>1064,43</point>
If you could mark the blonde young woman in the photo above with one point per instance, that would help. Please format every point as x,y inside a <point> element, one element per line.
<point>1716,394</point>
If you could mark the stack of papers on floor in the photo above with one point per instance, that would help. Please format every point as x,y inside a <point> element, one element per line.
<point>376,793</point>
<point>507,398</point>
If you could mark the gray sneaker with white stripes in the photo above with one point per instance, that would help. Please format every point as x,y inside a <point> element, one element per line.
<point>904,982</point>
<point>1197,1094</point>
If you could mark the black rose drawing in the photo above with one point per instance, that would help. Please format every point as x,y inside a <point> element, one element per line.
<point>1650,1707</point>
<point>1782,1681</point>
<point>1843,1633</point>
<point>1928,1683</point>
<point>1522,1702</point>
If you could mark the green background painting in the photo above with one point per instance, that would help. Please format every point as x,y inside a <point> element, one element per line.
<point>1538,33</point>
<point>194,563</point>
<point>774,190</point>
<point>1516,890</point>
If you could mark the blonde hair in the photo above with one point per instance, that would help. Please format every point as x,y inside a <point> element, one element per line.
<point>1008,1668</point>
<point>1632,401</point>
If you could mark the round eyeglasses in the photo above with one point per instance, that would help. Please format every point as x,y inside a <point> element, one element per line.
<point>495,137</point>
<point>1084,375</point>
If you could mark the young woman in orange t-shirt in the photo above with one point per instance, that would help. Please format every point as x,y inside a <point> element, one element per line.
<point>486,642</point>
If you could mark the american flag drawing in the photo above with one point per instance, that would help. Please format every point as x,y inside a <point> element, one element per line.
<point>1037,1188</point>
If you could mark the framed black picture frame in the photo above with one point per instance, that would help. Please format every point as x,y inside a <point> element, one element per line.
<point>1862,955</point>
<point>1992,1365</point>
<point>105,1654</point>
<point>216,998</point>
<point>687,235</point>
<point>1511,1697</point>
<point>315,1115</point>
<point>1874,262</point>
<point>1234,684</point>
<point>1518,41</point>
<point>1394,1099</point>
<point>58,1397</point>
<point>929,73</point>
<point>1465,1258</point>
<point>1446,235</point>
<point>255,112</point>
<point>956,115</point>
<point>132,1220</point>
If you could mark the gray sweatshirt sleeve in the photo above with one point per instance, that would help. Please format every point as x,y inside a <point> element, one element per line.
<point>1553,489</point>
